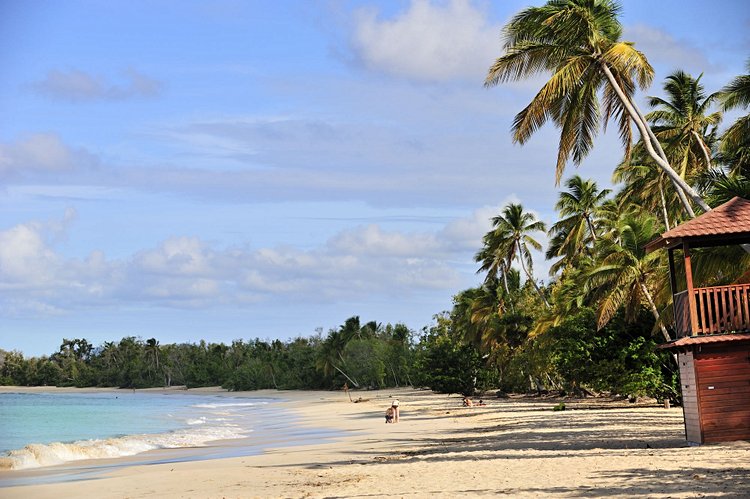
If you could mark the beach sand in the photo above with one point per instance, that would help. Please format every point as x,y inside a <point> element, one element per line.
<point>517,447</point>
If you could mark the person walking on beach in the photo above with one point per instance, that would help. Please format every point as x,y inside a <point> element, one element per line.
<point>394,406</point>
<point>389,415</point>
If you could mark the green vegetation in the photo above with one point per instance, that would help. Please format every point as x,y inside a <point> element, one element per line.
<point>371,356</point>
<point>593,327</point>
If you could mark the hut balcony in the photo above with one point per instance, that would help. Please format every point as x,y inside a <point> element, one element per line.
<point>718,310</point>
<point>713,327</point>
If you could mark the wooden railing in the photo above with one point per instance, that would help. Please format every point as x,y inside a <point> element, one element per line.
<point>719,309</point>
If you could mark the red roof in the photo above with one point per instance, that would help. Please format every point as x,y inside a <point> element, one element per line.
<point>703,339</point>
<point>731,219</point>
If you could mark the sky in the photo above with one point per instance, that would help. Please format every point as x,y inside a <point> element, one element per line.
<point>237,169</point>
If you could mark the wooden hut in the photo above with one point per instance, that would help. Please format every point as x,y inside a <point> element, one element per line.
<point>713,329</point>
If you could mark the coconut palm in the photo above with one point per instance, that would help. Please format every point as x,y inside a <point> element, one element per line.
<point>510,239</point>
<point>737,93</point>
<point>646,187</point>
<point>494,265</point>
<point>735,143</point>
<point>721,187</point>
<point>624,275</point>
<point>682,122</point>
<point>330,357</point>
<point>578,41</point>
<point>473,310</point>
<point>576,231</point>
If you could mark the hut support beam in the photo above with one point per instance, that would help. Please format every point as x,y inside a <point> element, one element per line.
<point>690,289</point>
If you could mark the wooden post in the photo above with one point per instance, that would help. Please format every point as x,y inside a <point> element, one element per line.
<point>672,273</point>
<point>690,289</point>
<point>673,288</point>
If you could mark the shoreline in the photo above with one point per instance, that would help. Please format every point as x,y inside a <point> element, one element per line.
<point>283,430</point>
<point>515,446</point>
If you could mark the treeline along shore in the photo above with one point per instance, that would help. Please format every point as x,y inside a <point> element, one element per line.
<point>367,356</point>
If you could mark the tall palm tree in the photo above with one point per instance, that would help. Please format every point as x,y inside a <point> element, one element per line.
<point>473,310</point>
<point>735,143</point>
<point>578,41</point>
<point>646,187</point>
<point>624,274</point>
<point>494,265</point>
<point>683,123</point>
<point>579,208</point>
<point>510,239</point>
<point>331,354</point>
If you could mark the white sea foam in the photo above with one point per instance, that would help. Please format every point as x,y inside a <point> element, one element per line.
<point>38,455</point>
<point>229,404</point>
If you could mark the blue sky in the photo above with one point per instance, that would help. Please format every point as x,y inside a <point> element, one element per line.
<point>240,169</point>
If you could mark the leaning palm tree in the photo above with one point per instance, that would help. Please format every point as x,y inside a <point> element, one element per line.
<point>683,123</point>
<point>475,313</point>
<point>624,274</point>
<point>510,239</point>
<point>646,187</point>
<point>578,41</point>
<point>576,231</point>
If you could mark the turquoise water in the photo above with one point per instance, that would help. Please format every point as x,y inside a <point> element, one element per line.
<point>39,430</point>
<point>45,418</point>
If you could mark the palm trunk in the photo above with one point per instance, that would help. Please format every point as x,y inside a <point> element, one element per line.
<point>507,290</point>
<point>657,146</point>
<point>649,140</point>
<point>704,148</point>
<point>663,204</point>
<point>655,311</point>
<point>591,227</point>
<point>346,375</point>
<point>529,276</point>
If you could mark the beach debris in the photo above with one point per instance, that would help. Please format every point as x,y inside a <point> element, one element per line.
<point>559,407</point>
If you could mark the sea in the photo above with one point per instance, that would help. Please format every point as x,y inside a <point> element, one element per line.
<point>52,432</point>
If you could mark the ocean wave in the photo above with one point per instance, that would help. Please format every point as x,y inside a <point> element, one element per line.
<point>219,405</point>
<point>39,455</point>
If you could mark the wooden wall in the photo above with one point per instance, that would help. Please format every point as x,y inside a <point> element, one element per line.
<point>690,406</point>
<point>723,379</point>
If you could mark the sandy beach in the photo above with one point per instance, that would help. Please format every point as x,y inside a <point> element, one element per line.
<point>517,447</point>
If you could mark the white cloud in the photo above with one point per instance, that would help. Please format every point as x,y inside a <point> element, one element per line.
<point>466,233</point>
<point>372,241</point>
<point>185,256</point>
<point>25,259</point>
<point>665,50</point>
<point>429,41</point>
<point>41,153</point>
<point>78,86</point>
<point>188,272</point>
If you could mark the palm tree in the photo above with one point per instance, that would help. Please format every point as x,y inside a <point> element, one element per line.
<point>576,231</point>
<point>331,355</point>
<point>473,310</point>
<point>735,143</point>
<point>578,41</point>
<point>510,239</point>
<point>493,264</point>
<point>624,275</point>
<point>645,186</point>
<point>683,123</point>
<point>152,351</point>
